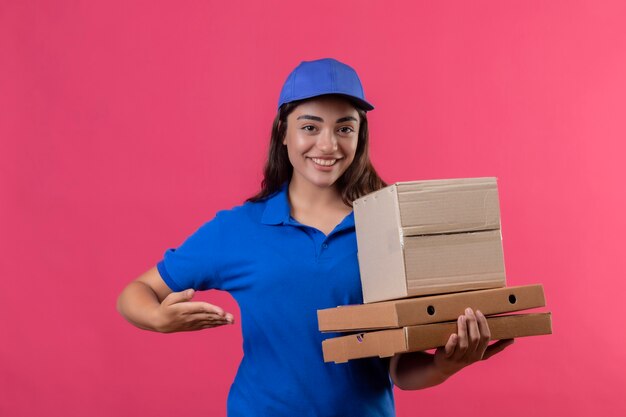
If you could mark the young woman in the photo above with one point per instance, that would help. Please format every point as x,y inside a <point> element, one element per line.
<point>289,251</point>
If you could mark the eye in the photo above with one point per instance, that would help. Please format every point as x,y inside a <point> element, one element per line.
<point>306,128</point>
<point>346,129</point>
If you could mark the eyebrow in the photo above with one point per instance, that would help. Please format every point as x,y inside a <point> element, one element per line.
<point>319,119</point>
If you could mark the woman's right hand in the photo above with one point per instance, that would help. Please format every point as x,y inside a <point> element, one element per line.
<point>178,314</point>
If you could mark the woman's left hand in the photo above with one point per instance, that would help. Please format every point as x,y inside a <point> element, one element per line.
<point>469,345</point>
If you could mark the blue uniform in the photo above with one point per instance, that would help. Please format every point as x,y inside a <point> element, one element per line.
<point>281,272</point>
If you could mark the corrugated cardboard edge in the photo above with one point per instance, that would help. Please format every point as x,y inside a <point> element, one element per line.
<point>430,336</point>
<point>355,317</point>
<point>501,236</point>
<point>448,307</point>
<point>385,343</point>
<point>431,309</point>
<point>419,185</point>
<point>380,254</point>
<point>382,343</point>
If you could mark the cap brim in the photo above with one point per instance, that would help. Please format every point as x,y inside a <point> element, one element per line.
<point>358,102</point>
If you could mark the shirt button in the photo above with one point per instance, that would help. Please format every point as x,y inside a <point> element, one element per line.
<point>325,245</point>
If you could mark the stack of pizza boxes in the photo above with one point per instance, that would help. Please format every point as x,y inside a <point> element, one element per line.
<point>427,250</point>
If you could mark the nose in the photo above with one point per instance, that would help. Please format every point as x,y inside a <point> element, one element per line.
<point>327,142</point>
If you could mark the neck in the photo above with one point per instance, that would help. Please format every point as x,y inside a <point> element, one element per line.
<point>304,194</point>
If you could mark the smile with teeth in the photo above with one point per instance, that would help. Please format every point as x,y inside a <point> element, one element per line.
<point>324,162</point>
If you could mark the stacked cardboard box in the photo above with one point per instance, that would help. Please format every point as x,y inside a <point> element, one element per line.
<point>433,248</point>
<point>429,237</point>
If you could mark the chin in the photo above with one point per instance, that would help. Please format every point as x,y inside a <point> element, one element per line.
<point>321,181</point>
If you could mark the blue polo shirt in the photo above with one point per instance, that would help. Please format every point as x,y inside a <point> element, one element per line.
<point>281,272</point>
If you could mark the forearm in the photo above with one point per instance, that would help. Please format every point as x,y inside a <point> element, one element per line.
<point>138,304</point>
<point>415,370</point>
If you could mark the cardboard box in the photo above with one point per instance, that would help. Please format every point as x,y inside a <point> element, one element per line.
<point>432,309</point>
<point>385,343</point>
<point>429,237</point>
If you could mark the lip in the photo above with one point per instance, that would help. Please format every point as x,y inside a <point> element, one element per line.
<point>327,158</point>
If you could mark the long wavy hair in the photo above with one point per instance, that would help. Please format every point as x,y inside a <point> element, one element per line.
<point>358,180</point>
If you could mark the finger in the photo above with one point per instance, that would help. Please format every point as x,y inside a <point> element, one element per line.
<point>205,317</point>
<point>229,318</point>
<point>204,324</point>
<point>213,320</point>
<point>497,347</point>
<point>211,325</point>
<point>473,333</point>
<point>201,307</point>
<point>452,341</point>
<point>461,346</point>
<point>485,333</point>
<point>179,297</point>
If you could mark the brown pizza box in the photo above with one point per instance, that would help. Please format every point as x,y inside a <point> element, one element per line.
<point>385,343</point>
<point>429,237</point>
<point>430,309</point>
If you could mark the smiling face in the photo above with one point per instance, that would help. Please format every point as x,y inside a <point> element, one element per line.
<point>321,139</point>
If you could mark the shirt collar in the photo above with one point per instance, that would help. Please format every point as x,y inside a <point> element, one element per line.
<point>277,207</point>
<point>278,211</point>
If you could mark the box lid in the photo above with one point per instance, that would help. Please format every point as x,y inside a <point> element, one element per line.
<point>385,343</point>
<point>430,309</point>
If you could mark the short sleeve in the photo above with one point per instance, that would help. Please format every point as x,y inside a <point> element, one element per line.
<point>194,264</point>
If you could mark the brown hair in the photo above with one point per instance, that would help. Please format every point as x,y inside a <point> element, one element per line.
<point>358,180</point>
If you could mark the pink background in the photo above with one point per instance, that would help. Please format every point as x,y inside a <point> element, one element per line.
<point>126,125</point>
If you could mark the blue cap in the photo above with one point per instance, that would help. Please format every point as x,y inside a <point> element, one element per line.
<point>323,76</point>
